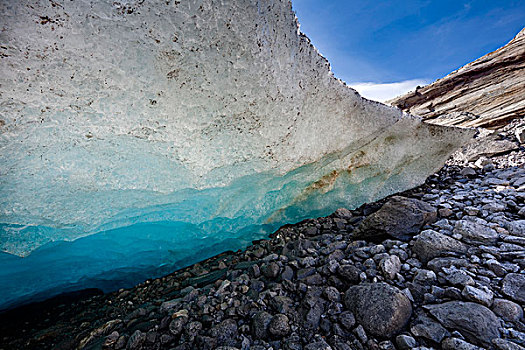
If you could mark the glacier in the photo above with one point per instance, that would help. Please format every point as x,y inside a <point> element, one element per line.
<point>138,137</point>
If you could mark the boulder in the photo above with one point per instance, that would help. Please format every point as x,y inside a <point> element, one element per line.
<point>430,244</point>
<point>475,322</point>
<point>383,310</point>
<point>400,218</point>
<point>507,310</point>
<point>475,233</point>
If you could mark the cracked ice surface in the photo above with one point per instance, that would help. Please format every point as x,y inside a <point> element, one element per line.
<point>177,129</point>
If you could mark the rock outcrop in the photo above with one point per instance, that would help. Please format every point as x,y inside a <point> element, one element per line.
<point>488,92</point>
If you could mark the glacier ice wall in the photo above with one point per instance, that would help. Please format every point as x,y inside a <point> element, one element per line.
<point>139,134</point>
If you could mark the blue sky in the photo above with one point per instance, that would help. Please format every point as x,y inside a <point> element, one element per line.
<point>406,42</point>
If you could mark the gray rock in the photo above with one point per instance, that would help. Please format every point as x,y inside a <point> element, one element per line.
<point>390,266</point>
<point>457,344</point>
<point>260,323</point>
<point>459,278</point>
<point>360,332</point>
<point>400,218</point>
<point>475,322</point>
<point>111,339</point>
<point>121,342</point>
<point>225,332</point>
<point>347,319</point>
<point>168,305</point>
<point>424,277</point>
<point>475,233</point>
<point>177,324</point>
<point>514,286</point>
<point>281,304</point>
<point>381,309</point>
<point>313,316</point>
<point>430,244</point>
<point>445,212</point>
<point>319,345</point>
<point>503,344</point>
<point>270,270</point>
<point>494,207</point>
<point>405,342</point>
<point>332,294</point>
<point>425,327</point>
<point>468,171</point>
<point>136,340</point>
<point>516,228</point>
<point>507,310</point>
<point>287,273</point>
<point>438,263</point>
<point>349,273</point>
<point>482,295</point>
<point>279,326</point>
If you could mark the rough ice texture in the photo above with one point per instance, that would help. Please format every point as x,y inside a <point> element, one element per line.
<point>175,129</point>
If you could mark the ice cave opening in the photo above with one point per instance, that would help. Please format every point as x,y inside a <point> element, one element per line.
<point>138,137</point>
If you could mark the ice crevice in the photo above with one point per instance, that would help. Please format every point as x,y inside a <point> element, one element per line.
<point>140,136</point>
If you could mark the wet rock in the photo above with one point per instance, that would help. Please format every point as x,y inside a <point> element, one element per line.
<point>383,310</point>
<point>121,342</point>
<point>105,329</point>
<point>136,340</point>
<point>177,325</point>
<point>168,305</point>
<point>475,322</point>
<point>111,339</point>
<point>430,244</point>
<point>514,286</point>
<point>475,233</point>
<point>400,218</point>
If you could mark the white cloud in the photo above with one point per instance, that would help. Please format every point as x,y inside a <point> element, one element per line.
<point>384,92</point>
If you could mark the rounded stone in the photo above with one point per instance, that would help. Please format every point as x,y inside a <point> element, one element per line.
<point>514,286</point>
<point>383,310</point>
<point>507,310</point>
<point>279,325</point>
